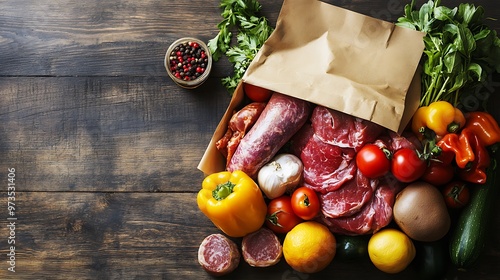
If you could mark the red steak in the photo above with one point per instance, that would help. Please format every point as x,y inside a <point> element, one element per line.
<point>343,130</point>
<point>350,198</point>
<point>326,167</point>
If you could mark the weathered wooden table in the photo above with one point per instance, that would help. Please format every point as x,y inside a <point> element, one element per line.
<point>105,146</point>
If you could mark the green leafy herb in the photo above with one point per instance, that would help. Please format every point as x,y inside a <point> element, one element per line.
<point>253,30</point>
<point>460,52</point>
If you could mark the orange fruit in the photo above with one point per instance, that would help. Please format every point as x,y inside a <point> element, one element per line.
<point>309,247</point>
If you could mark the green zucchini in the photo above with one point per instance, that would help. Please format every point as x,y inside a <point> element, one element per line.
<point>468,238</point>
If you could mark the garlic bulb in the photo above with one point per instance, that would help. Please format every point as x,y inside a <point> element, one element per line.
<point>283,173</point>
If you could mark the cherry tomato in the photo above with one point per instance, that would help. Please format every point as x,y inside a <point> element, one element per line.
<point>438,173</point>
<point>373,161</point>
<point>407,166</point>
<point>256,93</point>
<point>305,203</point>
<point>456,194</point>
<point>280,216</point>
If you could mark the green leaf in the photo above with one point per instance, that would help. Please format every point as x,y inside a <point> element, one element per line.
<point>452,61</point>
<point>469,14</point>
<point>477,70</point>
<point>425,16</point>
<point>444,13</point>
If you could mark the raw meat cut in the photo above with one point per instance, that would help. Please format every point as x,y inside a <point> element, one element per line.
<point>238,126</point>
<point>261,248</point>
<point>376,214</point>
<point>350,198</point>
<point>282,117</point>
<point>218,255</point>
<point>343,130</point>
<point>326,167</point>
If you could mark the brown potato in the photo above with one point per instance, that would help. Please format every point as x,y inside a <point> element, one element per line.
<point>420,212</point>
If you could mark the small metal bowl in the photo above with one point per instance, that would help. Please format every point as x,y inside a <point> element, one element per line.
<point>193,81</point>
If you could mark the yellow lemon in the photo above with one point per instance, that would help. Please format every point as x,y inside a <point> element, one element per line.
<point>309,247</point>
<point>391,250</point>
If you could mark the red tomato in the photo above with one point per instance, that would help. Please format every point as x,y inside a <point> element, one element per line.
<point>305,203</point>
<point>256,93</point>
<point>373,161</point>
<point>438,173</point>
<point>456,194</point>
<point>280,216</point>
<point>407,166</point>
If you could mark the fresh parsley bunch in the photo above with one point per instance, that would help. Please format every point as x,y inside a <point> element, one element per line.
<point>253,30</point>
<point>460,52</point>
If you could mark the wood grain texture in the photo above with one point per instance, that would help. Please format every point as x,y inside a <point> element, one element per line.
<point>146,236</point>
<point>106,146</point>
<point>107,134</point>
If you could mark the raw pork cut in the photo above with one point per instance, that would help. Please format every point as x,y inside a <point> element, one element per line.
<point>282,117</point>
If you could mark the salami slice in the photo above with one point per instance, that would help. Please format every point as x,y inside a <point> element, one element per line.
<point>282,117</point>
<point>261,248</point>
<point>218,255</point>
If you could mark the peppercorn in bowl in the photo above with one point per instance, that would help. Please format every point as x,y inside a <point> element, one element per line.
<point>188,62</point>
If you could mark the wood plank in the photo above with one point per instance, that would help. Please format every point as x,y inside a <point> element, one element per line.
<point>62,38</point>
<point>147,236</point>
<point>107,134</point>
<point>89,38</point>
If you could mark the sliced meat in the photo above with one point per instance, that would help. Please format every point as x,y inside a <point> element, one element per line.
<point>358,224</point>
<point>343,130</point>
<point>238,126</point>
<point>376,214</point>
<point>384,201</point>
<point>261,248</point>
<point>350,198</point>
<point>282,117</point>
<point>326,167</point>
<point>218,255</point>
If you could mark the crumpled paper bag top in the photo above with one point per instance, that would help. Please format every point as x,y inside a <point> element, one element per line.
<point>343,60</point>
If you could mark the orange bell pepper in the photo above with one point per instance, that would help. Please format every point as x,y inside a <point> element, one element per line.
<point>484,126</point>
<point>476,171</point>
<point>441,117</point>
<point>459,146</point>
<point>233,202</point>
<point>471,156</point>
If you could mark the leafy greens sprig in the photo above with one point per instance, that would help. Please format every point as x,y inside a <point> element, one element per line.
<point>460,51</point>
<point>253,30</point>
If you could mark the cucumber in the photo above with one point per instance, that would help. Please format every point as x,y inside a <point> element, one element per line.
<point>468,238</point>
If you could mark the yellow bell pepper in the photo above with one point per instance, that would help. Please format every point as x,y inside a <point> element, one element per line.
<point>233,202</point>
<point>441,117</point>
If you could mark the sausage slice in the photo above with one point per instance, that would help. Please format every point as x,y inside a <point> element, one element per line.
<point>218,255</point>
<point>261,248</point>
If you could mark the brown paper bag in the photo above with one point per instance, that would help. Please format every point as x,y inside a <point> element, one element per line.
<point>343,60</point>
<point>337,58</point>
